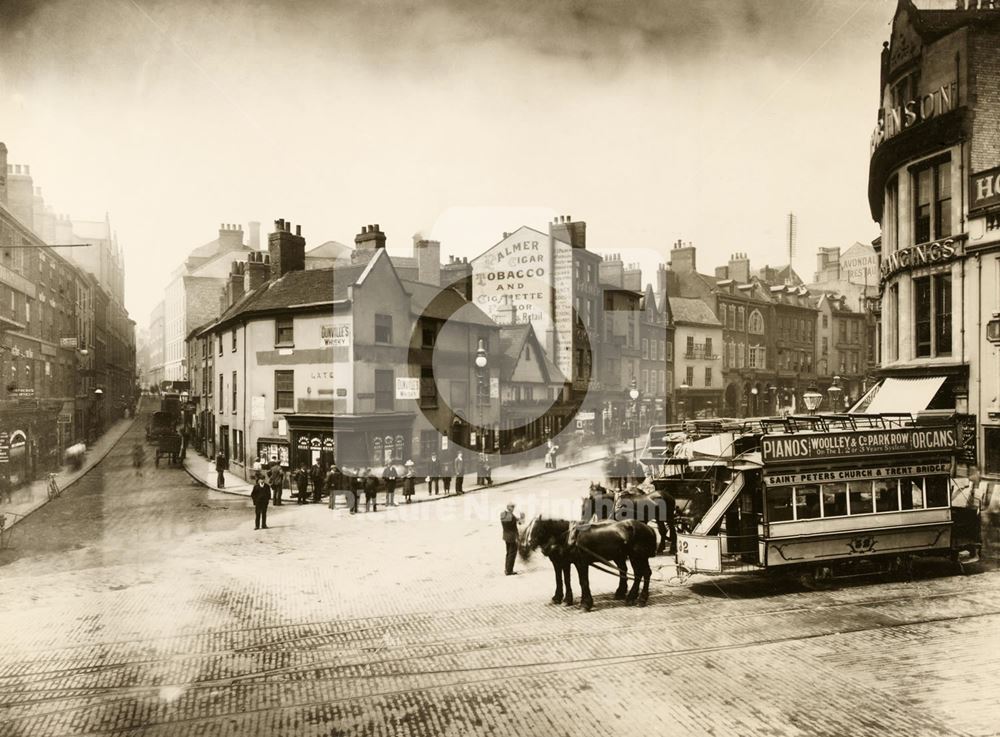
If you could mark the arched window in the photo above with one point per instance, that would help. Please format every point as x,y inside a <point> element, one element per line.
<point>756,323</point>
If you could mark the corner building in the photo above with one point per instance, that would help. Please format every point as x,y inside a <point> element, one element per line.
<point>937,133</point>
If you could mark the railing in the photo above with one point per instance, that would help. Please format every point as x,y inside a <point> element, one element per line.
<point>698,351</point>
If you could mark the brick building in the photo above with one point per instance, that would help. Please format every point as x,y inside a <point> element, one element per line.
<point>935,156</point>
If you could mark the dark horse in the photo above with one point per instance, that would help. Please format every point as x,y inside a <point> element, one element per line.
<point>608,542</point>
<point>655,506</point>
<point>600,503</point>
<point>551,535</point>
<point>613,541</point>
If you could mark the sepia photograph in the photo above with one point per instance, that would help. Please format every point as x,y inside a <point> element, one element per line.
<point>523,368</point>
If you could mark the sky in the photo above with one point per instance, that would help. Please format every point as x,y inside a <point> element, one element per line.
<point>701,120</point>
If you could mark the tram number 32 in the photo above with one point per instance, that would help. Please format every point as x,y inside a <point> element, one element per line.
<point>682,547</point>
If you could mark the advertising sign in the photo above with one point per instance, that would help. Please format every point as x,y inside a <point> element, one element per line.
<point>893,120</point>
<point>258,408</point>
<point>984,189</point>
<point>925,254</point>
<point>510,282</point>
<point>67,342</point>
<point>335,336</point>
<point>865,443</point>
<point>407,388</point>
<point>856,474</point>
<point>24,393</point>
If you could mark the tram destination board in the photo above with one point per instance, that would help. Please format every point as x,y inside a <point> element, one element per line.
<point>807,447</point>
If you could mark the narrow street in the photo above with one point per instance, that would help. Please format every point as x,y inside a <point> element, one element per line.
<point>317,627</point>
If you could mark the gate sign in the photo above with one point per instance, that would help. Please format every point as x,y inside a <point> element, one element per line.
<point>866,443</point>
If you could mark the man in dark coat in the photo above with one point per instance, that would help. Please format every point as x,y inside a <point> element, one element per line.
<point>221,464</point>
<point>508,521</point>
<point>355,484</point>
<point>371,491</point>
<point>433,473</point>
<point>276,479</point>
<point>302,483</point>
<point>260,495</point>
<point>459,473</point>
<point>318,478</point>
<point>446,477</point>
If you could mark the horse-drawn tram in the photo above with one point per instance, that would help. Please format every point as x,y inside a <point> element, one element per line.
<point>829,496</point>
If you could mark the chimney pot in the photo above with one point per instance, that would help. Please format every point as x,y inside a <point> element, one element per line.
<point>298,230</point>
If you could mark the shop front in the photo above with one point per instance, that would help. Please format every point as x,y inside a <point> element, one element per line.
<point>351,441</point>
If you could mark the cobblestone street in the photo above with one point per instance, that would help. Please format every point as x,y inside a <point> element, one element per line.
<point>151,606</point>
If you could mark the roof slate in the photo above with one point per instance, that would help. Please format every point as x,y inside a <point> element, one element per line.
<point>690,310</point>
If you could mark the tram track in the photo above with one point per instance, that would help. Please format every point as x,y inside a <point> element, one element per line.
<point>316,640</point>
<point>476,675</point>
<point>331,670</point>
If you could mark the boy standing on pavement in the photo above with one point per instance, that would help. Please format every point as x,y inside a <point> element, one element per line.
<point>260,495</point>
<point>508,521</point>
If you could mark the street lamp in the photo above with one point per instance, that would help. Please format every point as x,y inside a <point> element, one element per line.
<point>754,391</point>
<point>481,363</point>
<point>834,392</point>
<point>812,399</point>
<point>633,394</point>
<point>683,389</point>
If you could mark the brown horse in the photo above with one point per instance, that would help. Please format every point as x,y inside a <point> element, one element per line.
<point>613,542</point>
<point>551,536</point>
<point>655,506</point>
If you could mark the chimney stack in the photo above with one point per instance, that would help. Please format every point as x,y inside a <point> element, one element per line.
<point>632,278</point>
<point>612,271</point>
<point>230,237</point>
<point>370,239</point>
<point>287,250</point>
<point>428,256</point>
<point>254,227</point>
<point>683,258</point>
<point>661,280</point>
<point>257,271</point>
<point>564,229</point>
<point>235,286</point>
<point>739,268</point>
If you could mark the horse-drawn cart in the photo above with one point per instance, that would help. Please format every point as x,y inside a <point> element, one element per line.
<point>169,447</point>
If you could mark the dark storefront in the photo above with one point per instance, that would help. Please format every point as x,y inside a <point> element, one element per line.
<point>371,440</point>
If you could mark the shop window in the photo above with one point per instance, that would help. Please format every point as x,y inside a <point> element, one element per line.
<point>284,390</point>
<point>835,499</point>
<point>886,496</point>
<point>383,328</point>
<point>779,504</point>
<point>932,315</point>
<point>937,491</point>
<point>284,333</point>
<point>807,501</point>
<point>991,440</point>
<point>384,390</point>
<point>932,202</point>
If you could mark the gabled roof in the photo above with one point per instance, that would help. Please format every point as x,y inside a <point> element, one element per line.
<point>512,340</point>
<point>444,303</point>
<point>692,312</point>
<point>330,249</point>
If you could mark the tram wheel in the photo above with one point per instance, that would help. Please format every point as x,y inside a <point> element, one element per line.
<point>819,578</point>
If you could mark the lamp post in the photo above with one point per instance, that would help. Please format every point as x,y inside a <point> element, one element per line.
<point>754,391</point>
<point>683,389</point>
<point>481,362</point>
<point>812,399</point>
<point>834,393</point>
<point>633,394</point>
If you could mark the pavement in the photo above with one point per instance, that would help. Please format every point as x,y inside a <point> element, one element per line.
<point>203,471</point>
<point>147,604</point>
<point>30,497</point>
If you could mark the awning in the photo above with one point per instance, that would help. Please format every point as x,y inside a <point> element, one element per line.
<point>901,395</point>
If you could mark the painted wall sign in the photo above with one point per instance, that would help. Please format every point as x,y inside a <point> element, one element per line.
<point>258,408</point>
<point>335,336</point>
<point>510,282</point>
<point>831,446</point>
<point>856,474</point>
<point>893,120</point>
<point>407,388</point>
<point>984,189</point>
<point>925,254</point>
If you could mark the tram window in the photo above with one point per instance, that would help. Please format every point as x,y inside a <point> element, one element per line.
<point>807,502</point>
<point>779,504</point>
<point>834,500</point>
<point>937,491</point>
<point>886,496</point>
<point>911,492</point>
<point>861,497</point>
